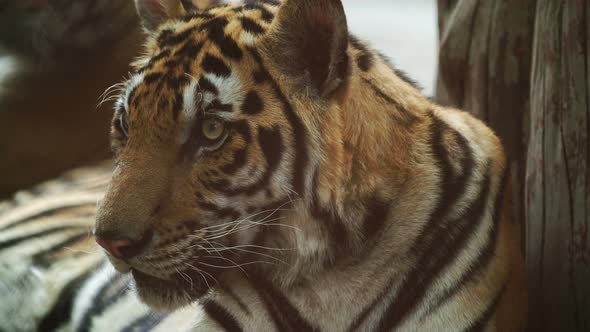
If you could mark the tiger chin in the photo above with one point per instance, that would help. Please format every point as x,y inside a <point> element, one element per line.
<point>269,162</point>
<point>161,294</point>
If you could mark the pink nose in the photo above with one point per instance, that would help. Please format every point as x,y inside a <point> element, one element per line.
<point>123,248</point>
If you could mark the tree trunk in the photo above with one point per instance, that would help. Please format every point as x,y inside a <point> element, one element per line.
<point>523,67</point>
<point>558,174</point>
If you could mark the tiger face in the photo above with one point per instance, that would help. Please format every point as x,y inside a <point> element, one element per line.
<point>218,136</point>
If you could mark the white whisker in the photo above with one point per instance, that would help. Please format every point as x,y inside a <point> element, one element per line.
<point>199,272</point>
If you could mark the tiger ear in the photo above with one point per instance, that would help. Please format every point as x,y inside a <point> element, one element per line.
<point>155,12</point>
<point>308,41</point>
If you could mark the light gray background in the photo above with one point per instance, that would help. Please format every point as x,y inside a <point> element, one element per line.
<point>404,30</point>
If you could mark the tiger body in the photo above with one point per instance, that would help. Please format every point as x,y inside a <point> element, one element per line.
<point>335,197</point>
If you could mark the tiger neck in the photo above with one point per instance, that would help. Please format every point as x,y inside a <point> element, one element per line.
<point>371,150</point>
<point>370,145</point>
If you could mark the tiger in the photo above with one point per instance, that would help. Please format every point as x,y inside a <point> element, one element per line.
<point>274,173</point>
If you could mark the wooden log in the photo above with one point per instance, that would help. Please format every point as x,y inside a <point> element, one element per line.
<point>524,68</point>
<point>558,169</point>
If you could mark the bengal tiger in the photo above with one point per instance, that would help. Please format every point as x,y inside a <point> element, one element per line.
<point>273,172</point>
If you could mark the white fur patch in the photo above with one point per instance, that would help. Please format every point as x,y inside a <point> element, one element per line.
<point>133,82</point>
<point>230,89</point>
<point>191,100</point>
<point>247,38</point>
<point>89,291</point>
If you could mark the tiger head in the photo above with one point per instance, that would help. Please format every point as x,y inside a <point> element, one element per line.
<point>228,146</point>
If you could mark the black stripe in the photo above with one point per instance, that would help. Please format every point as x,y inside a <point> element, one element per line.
<point>260,76</point>
<point>31,236</point>
<point>271,2</point>
<point>176,83</point>
<point>214,65</point>
<point>160,56</point>
<point>189,50</point>
<point>405,117</point>
<point>482,321</point>
<point>252,104</point>
<point>239,161</point>
<point>217,105</point>
<point>228,47</point>
<point>151,78</point>
<point>44,258</point>
<point>171,64</point>
<point>215,27</point>
<point>226,320</point>
<point>446,247</point>
<point>328,217</point>
<point>188,5</point>
<point>375,217</point>
<point>220,212</point>
<point>265,14</point>
<point>229,292</point>
<point>206,86</point>
<point>451,189</point>
<point>193,15</point>
<point>285,316</point>
<point>271,144</point>
<point>242,128</point>
<point>164,35</point>
<point>170,38</point>
<point>102,301</point>
<point>485,255</point>
<point>61,310</point>
<point>36,216</point>
<point>154,60</point>
<point>299,132</point>
<point>145,323</point>
<point>365,58</point>
<point>177,106</point>
<point>251,26</point>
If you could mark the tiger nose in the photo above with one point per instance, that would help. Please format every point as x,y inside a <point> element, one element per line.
<point>121,247</point>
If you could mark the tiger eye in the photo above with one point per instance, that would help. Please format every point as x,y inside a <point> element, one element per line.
<point>213,128</point>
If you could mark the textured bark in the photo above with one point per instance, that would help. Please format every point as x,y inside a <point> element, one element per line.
<point>558,174</point>
<point>523,67</point>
